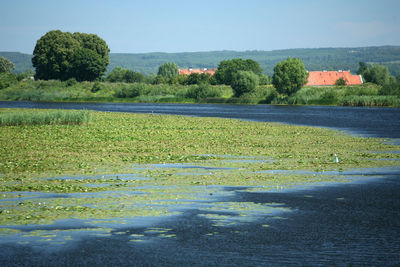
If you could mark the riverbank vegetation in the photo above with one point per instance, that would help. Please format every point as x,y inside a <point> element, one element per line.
<point>235,81</point>
<point>71,91</point>
<point>44,117</point>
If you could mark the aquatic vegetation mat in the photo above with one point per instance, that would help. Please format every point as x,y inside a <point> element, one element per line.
<point>119,169</point>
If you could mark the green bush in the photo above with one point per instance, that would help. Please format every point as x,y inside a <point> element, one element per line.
<point>203,90</point>
<point>129,91</point>
<point>244,82</point>
<point>391,88</point>
<point>365,89</point>
<point>340,82</point>
<point>119,74</point>
<point>96,87</point>
<point>262,91</point>
<point>280,99</point>
<point>71,82</point>
<point>7,79</point>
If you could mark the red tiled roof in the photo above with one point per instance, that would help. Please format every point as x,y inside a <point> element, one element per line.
<point>199,71</point>
<point>318,78</point>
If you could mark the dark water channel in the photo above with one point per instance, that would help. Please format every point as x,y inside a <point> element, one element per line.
<point>380,122</point>
<point>354,223</point>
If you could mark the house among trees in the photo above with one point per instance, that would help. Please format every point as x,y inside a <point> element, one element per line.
<point>326,78</point>
<point>198,71</point>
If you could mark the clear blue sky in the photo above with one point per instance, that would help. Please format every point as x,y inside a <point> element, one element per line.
<point>188,26</point>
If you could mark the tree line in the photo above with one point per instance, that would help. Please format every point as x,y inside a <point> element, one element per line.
<point>380,75</point>
<point>84,57</point>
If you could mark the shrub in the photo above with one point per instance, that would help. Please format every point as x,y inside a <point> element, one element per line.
<point>130,91</point>
<point>6,80</point>
<point>203,90</point>
<point>340,82</point>
<point>196,78</point>
<point>365,89</point>
<point>244,82</point>
<point>181,79</point>
<point>160,79</point>
<point>391,88</point>
<point>96,87</point>
<point>71,82</point>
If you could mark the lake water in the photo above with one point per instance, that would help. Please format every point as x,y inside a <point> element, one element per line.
<point>356,223</point>
<point>380,122</point>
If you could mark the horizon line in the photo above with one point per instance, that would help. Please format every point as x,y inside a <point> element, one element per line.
<point>237,51</point>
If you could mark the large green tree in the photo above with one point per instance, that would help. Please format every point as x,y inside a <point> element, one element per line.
<point>6,65</point>
<point>168,70</point>
<point>227,69</point>
<point>289,76</point>
<point>63,55</point>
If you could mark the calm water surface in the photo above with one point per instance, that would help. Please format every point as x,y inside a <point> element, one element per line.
<point>380,122</point>
<point>352,224</point>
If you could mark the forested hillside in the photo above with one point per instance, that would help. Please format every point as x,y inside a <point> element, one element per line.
<point>313,58</point>
<point>21,61</point>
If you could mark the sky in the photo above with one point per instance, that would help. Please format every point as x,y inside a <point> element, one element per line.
<point>190,26</point>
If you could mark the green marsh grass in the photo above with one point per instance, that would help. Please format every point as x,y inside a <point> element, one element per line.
<point>44,117</point>
<point>370,101</point>
<point>358,96</point>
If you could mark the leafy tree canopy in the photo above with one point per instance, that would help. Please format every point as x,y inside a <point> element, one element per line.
<point>63,55</point>
<point>340,82</point>
<point>244,82</point>
<point>202,90</point>
<point>289,76</point>
<point>6,65</point>
<point>377,74</point>
<point>168,70</point>
<point>197,78</point>
<point>362,68</point>
<point>227,68</point>
<point>119,74</point>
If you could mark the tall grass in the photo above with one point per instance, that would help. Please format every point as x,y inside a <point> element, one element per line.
<point>370,101</point>
<point>44,117</point>
<point>360,96</point>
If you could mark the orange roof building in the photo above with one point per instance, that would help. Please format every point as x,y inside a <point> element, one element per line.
<point>326,78</point>
<point>199,71</point>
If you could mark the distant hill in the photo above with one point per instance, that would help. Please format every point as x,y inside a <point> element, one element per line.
<point>21,61</point>
<point>313,58</point>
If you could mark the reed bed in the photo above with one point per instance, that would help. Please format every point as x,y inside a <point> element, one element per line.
<point>50,117</point>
